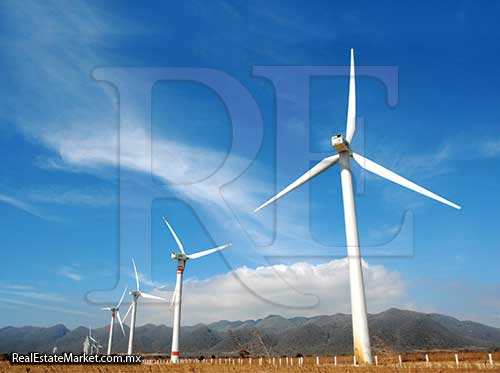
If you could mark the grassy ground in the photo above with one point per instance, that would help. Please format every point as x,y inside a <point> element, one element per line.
<point>439,362</point>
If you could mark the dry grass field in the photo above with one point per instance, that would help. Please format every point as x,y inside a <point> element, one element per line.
<point>440,361</point>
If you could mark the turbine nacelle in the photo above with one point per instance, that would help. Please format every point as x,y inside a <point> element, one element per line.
<point>135,293</point>
<point>179,256</point>
<point>340,144</point>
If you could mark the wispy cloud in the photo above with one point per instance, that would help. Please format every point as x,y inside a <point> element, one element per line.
<point>24,206</point>
<point>143,280</point>
<point>491,149</point>
<point>18,287</point>
<point>43,306</point>
<point>70,273</point>
<point>32,294</point>
<point>75,197</point>
<point>170,162</point>
<point>37,201</point>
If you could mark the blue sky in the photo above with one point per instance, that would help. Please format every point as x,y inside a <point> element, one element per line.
<point>72,218</point>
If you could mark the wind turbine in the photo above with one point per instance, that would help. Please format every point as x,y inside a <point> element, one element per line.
<point>115,312</point>
<point>95,345</point>
<point>133,306</point>
<point>342,146</point>
<point>181,258</point>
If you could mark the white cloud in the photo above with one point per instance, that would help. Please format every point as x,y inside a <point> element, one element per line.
<point>143,279</point>
<point>70,273</point>
<point>289,290</point>
<point>63,196</point>
<point>30,292</point>
<point>491,149</point>
<point>43,307</point>
<point>24,206</point>
<point>18,287</point>
<point>419,166</point>
<point>170,161</point>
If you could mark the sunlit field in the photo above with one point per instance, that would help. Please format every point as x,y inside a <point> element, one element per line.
<point>438,362</point>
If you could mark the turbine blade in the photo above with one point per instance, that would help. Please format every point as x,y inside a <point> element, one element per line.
<point>121,299</point>
<point>351,108</point>
<point>136,275</point>
<point>120,322</point>
<point>128,311</point>
<point>150,296</point>
<point>316,170</point>
<point>209,251</point>
<point>106,309</point>
<point>395,178</point>
<point>174,235</point>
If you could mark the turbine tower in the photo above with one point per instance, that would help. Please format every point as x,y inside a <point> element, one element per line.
<point>133,306</point>
<point>342,146</point>
<point>86,345</point>
<point>181,259</point>
<point>115,312</point>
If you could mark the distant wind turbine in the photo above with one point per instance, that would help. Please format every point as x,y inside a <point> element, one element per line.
<point>342,146</point>
<point>181,258</point>
<point>133,306</point>
<point>95,345</point>
<point>115,312</point>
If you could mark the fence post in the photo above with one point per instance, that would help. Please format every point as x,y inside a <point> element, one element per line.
<point>317,360</point>
<point>400,361</point>
<point>291,361</point>
<point>456,360</point>
<point>490,356</point>
<point>355,361</point>
<point>426,360</point>
<point>335,360</point>
<point>376,360</point>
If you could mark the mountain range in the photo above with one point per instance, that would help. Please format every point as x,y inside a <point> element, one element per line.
<point>391,330</point>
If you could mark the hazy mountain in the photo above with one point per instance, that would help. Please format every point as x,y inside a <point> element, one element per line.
<point>392,330</point>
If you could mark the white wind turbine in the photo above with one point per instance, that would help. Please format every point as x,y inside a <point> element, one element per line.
<point>133,306</point>
<point>181,258</point>
<point>342,146</point>
<point>115,312</point>
<point>95,345</point>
